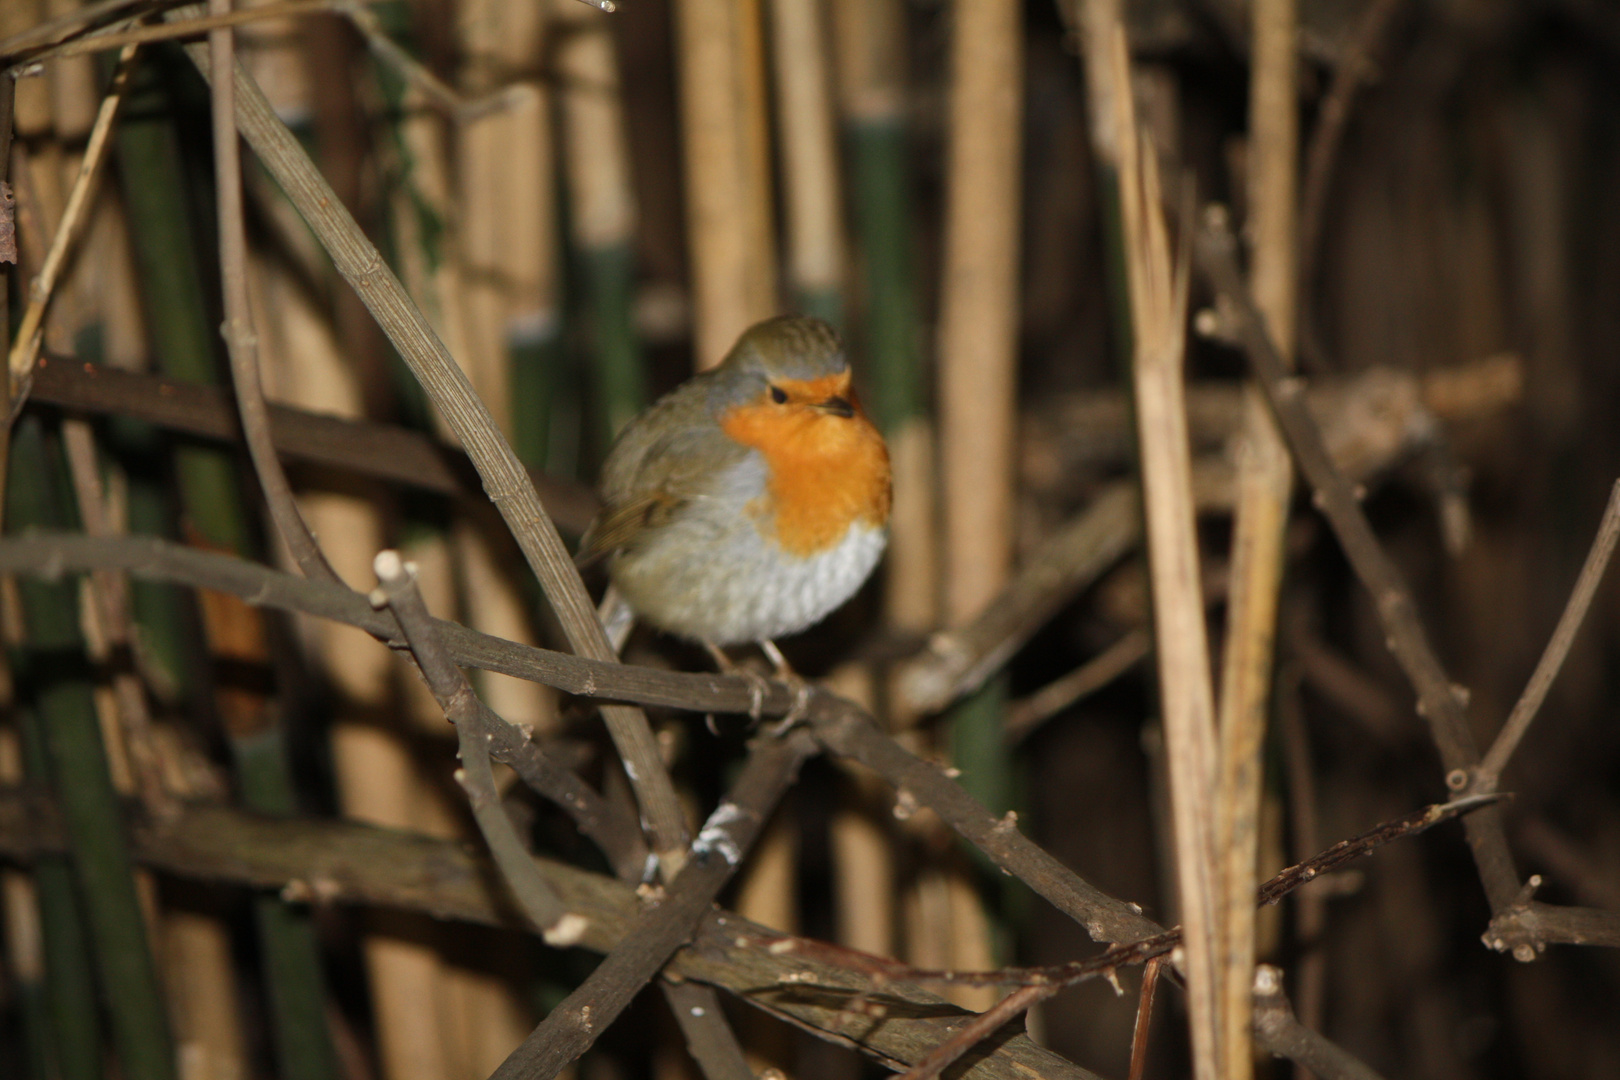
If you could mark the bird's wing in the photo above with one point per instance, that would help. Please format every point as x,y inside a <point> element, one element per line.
<point>649,479</point>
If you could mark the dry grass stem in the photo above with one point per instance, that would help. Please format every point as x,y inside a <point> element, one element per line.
<point>1158,293</point>
<point>30,329</point>
<point>1265,479</point>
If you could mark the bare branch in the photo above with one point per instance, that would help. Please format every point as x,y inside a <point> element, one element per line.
<point>1287,1037</point>
<point>398,592</point>
<point>1552,659</point>
<point>241,341</point>
<point>572,1026</point>
<point>447,385</point>
<point>344,862</point>
<point>1438,700</point>
<point>384,451</point>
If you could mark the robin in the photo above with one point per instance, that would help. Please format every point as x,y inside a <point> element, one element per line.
<point>750,501</point>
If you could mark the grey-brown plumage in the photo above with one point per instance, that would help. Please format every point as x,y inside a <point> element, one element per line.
<point>687,524</point>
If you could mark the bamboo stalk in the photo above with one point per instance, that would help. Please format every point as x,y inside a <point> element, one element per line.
<point>46,932</point>
<point>978,338</point>
<point>211,503</point>
<point>506,292</point>
<point>728,188</point>
<point>978,332</point>
<point>602,208</point>
<point>809,156</point>
<point>103,871</point>
<point>1260,519</point>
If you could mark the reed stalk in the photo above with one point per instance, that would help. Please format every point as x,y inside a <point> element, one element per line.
<point>59,680</point>
<point>163,230</point>
<point>1260,519</point>
<point>728,181</point>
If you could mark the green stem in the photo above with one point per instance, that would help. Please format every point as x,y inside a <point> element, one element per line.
<point>182,321</point>
<point>621,379</point>
<point>883,228</point>
<point>58,678</point>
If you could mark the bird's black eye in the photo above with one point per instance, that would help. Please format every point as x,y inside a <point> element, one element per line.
<point>779,395</point>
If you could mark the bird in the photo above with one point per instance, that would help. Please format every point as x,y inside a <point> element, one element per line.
<point>749,502</point>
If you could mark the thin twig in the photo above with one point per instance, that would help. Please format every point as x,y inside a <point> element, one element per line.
<point>31,329</point>
<point>572,1026</point>
<point>1287,1037</point>
<point>447,385</point>
<point>414,72</point>
<point>1162,942</point>
<point>63,25</point>
<point>1438,700</point>
<point>398,592</point>
<point>1322,152</point>
<point>977,1030</point>
<point>241,341</point>
<point>1552,659</point>
<point>103,40</point>
<point>1026,714</point>
<point>1152,971</point>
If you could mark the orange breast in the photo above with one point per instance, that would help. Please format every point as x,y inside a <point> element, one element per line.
<point>826,471</point>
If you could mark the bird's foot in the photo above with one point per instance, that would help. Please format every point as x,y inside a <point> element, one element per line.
<point>758,685</point>
<point>800,688</point>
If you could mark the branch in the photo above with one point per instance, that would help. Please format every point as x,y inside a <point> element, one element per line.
<point>572,1026</point>
<point>978,1029</point>
<point>447,386</point>
<point>31,329</point>
<point>346,862</point>
<point>379,450</point>
<point>1286,1037</point>
<point>474,732</point>
<point>1552,659</point>
<point>849,732</point>
<point>1438,700</point>
<point>63,26</point>
<point>241,341</point>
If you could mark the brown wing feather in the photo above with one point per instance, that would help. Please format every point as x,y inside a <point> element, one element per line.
<point>667,456</point>
<point>618,527</point>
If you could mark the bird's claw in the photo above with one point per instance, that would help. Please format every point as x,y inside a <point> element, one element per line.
<point>801,704</point>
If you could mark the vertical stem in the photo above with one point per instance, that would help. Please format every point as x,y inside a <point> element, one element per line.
<point>1264,482</point>
<point>60,680</point>
<point>602,202</point>
<point>178,318</point>
<point>810,169</point>
<point>979,346</point>
<point>978,335</point>
<point>1158,296</point>
<point>45,933</point>
<point>728,186</point>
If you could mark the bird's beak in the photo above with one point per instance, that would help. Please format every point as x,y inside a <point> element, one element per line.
<point>838,406</point>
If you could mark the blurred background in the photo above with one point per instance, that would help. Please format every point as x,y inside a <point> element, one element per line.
<point>589,207</point>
